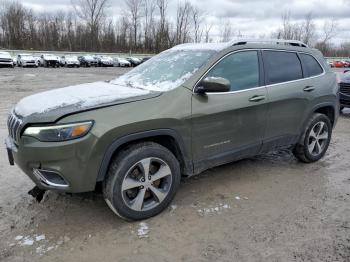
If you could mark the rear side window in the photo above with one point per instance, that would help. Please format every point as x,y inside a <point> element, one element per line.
<point>241,69</point>
<point>310,65</point>
<point>281,66</point>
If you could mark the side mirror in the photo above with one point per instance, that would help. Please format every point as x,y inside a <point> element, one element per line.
<point>213,84</point>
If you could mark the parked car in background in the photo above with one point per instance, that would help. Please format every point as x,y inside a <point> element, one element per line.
<point>145,59</point>
<point>134,61</point>
<point>87,61</point>
<point>69,61</point>
<point>344,90</point>
<point>104,61</point>
<point>14,59</point>
<point>47,60</point>
<point>37,59</point>
<point>338,64</point>
<point>330,63</point>
<point>346,63</point>
<point>219,103</point>
<point>6,59</point>
<point>26,60</point>
<point>121,62</point>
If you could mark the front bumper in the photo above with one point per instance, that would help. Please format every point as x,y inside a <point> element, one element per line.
<point>60,166</point>
<point>344,100</point>
<point>10,63</point>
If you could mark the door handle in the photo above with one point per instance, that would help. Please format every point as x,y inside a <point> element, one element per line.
<point>256,98</point>
<point>309,88</point>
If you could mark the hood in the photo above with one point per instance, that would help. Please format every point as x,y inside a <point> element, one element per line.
<point>27,58</point>
<point>50,105</point>
<point>72,59</point>
<point>345,78</point>
<point>5,55</point>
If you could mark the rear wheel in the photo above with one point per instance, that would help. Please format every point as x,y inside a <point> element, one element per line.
<point>315,139</point>
<point>142,181</point>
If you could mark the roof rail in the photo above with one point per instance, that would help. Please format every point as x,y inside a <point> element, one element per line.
<point>271,41</point>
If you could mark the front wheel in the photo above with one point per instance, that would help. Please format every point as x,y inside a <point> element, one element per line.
<point>315,139</point>
<point>142,181</point>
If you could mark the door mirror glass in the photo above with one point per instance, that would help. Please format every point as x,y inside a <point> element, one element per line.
<point>213,84</point>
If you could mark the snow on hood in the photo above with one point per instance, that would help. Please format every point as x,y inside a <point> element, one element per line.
<point>80,96</point>
<point>5,55</point>
<point>27,58</point>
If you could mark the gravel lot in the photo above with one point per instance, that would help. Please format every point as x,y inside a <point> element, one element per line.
<point>268,208</point>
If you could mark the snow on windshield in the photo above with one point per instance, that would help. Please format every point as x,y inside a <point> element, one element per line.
<point>167,70</point>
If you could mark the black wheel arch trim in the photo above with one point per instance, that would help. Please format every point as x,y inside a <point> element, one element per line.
<point>188,165</point>
<point>313,110</point>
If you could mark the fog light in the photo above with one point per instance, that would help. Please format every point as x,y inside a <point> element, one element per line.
<point>50,178</point>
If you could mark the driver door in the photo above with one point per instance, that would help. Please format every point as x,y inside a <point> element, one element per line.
<point>230,125</point>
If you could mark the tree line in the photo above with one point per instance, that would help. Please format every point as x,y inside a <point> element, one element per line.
<point>143,26</point>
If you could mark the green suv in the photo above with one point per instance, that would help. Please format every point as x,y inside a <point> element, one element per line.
<point>188,109</point>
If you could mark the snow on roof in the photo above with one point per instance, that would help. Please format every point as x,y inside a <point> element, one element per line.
<point>202,46</point>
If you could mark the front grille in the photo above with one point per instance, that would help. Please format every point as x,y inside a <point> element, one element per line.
<point>14,125</point>
<point>345,88</point>
<point>5,60</point>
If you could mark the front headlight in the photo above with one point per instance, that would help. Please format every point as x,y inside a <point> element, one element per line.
<point>57,133</point>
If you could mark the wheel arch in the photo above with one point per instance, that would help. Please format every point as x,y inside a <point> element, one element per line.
<point>166,137</point>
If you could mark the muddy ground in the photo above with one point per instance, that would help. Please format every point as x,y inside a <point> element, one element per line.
<point>268,208</point>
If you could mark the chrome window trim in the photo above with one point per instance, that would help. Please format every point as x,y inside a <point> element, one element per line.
<point>265,86</point>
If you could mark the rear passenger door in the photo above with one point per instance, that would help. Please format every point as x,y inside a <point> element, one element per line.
<point>287,100</point>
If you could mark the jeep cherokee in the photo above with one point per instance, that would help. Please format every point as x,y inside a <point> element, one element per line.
<point>188,109</point>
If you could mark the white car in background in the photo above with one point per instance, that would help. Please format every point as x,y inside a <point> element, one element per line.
<point>69,61</point>
<point>6,59</point>
<point>25,60</point>
<point>121,62</point>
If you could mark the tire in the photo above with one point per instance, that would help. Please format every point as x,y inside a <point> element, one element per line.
<point>137,200</point>
<point>315,139</point>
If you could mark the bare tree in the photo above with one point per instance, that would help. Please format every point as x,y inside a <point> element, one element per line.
<point>134,12</point>
<point>183,22</point>
<point>149,10</point>
<point>93,13</point>
<point>197,22</point>
<point>207,30</point>
<point>226,31</point>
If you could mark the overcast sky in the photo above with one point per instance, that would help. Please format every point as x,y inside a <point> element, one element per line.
<point>250,17</point>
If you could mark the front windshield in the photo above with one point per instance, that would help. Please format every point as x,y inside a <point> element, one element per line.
<point>165,71</point>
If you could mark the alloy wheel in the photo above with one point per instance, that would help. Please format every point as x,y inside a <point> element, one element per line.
<point>318,138</point>
<point>146,184</point>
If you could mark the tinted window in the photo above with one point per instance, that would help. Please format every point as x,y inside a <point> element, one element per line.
<point>282,66</point>
<point>310,65</point>
<point>241,69</point>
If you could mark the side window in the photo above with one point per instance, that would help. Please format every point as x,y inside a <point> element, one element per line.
<point>310,65</point>
<point>241,69</point>
<point>281,66</point>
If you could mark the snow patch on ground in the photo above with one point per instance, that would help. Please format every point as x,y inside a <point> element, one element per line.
<point>143,230</point>
<point>81,96</point>
<point>213,210</point>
